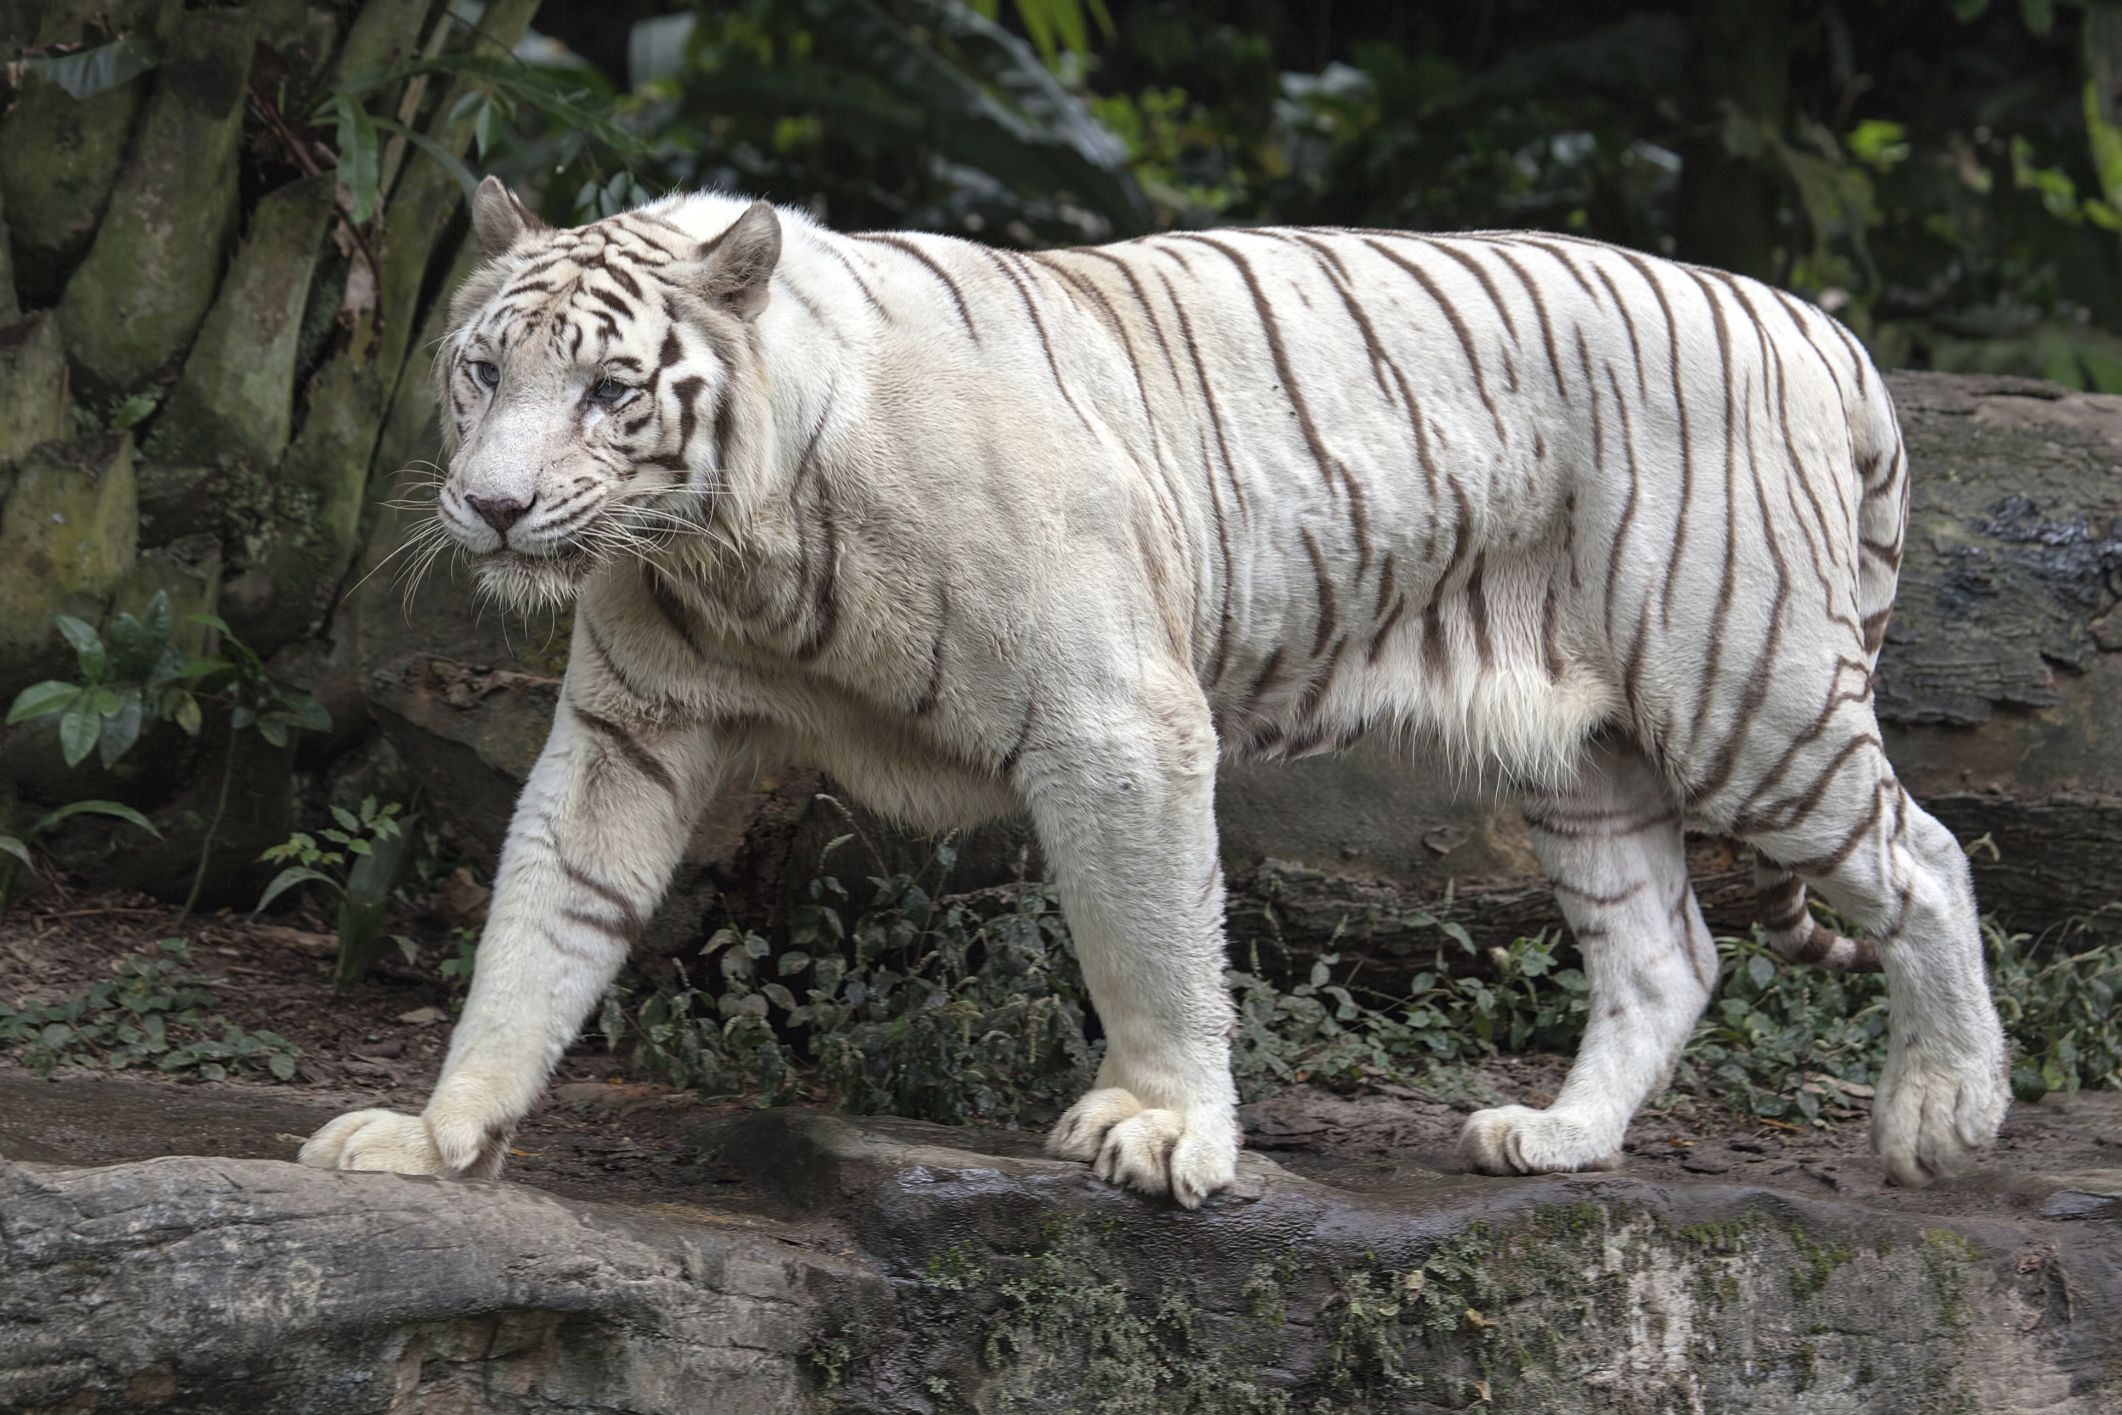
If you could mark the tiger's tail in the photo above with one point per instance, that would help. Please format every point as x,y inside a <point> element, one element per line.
<point>1880,465</point>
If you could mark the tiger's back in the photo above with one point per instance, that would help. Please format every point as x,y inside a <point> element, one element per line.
<point>1489,490</point>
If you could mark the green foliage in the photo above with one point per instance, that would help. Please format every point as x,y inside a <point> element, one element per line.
<point>1947,178</point>
<point>359,857</point>
<point>131,676</point>
<point>1784,1042</point>
<point>134,676</point>
<point>1324,1032</point>
<point>17,847</point>
<point>456,968</point>
<point>2060,1012</point>
<point>1772,1023</point>
<point>963,1008</point>
<point>153,1011</point>
<point>970,1007</point>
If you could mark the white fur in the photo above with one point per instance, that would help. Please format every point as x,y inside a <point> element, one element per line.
<point>984,533</point>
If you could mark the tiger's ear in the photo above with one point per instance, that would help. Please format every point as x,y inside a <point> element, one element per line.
<point>499,218</point>
<point>734,270</point>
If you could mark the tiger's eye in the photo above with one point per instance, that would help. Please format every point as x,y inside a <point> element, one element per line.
<point>486,373</point>
<point>608,391</point>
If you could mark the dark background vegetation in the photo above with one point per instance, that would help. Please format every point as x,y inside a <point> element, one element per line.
<point>1944,175</point>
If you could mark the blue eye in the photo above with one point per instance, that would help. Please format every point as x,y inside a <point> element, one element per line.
<point>608,392</point>
<point>486,373</point>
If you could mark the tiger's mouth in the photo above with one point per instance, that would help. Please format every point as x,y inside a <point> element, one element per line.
<point>528,582</point>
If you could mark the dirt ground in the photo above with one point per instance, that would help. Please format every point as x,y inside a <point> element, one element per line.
<point>600,1135</point>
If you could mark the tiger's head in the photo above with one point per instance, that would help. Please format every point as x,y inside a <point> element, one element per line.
<point>596,388</point>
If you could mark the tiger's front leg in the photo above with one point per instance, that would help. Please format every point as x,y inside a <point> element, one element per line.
<point>595,838</point>
<point>1124,810</point>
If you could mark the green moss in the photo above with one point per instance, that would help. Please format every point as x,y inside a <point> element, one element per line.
<point>1815,1264</point>
<point>1947,1256</point>
<point>829,1356</point>
<point>954,1269</point>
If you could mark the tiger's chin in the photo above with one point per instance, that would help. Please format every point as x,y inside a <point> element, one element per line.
<point>527,583</point>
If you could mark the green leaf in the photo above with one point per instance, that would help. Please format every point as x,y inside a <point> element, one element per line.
<point>42,700</point>
<point>486,128</point>
<point>358,146</point>
<point>88,72</point>
<point>78,731</point>
<point>122,728</point>
<point>188,716</point>
<point>157,619</point>
<point>9,845</point>
<point>347,819</point>
<point>290,877</point>
<point>281,1065</point>
<point>273,728</point>
<point>444,158</point>
<point>367,896</point>
<point>134,410</point>
<point>88,646</point>
<point>542,91</point>
<point>117,810</point>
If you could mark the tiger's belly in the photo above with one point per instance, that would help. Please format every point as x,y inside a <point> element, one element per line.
<point>894,772</point>
<point>1475,650</point>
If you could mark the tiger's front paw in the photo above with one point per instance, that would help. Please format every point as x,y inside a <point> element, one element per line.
<point>385,1141</point>
<point>1516,1139</point>
<point>1186,1154</point>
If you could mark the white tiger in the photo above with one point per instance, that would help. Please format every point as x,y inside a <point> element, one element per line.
<point>982,531</point>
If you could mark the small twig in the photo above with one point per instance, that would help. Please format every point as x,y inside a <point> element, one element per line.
<point>103,911</point>
<point>296,148</point>
<point>206,845</point>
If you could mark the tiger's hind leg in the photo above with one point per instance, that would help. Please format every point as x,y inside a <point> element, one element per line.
<point>1883,861</point>
<point>1611,844</point>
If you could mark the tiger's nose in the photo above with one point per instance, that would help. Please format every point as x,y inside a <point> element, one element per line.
<point>500,512</point>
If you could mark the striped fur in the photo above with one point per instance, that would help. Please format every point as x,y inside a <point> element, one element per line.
<point>984,531</point>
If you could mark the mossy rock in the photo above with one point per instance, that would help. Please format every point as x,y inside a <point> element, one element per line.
<point>59,155</point>
<point>32,385</point>
<point>10,307</point>
<point>235,400</point>
<point>68,535</point>
<point>135,301</point>
<point>787,1261</point>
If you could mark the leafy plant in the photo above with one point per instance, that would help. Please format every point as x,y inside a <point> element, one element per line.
<point>16,848</point>
<point>954,1009</point>
<point>130,677</point>
<point>134,675</point>
<point>970,1007</point>
<point>359,859</point>
<point>154,1011</point>
<point>456,968</point>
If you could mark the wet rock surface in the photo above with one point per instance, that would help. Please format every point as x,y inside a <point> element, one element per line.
<point>652,1254</point>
